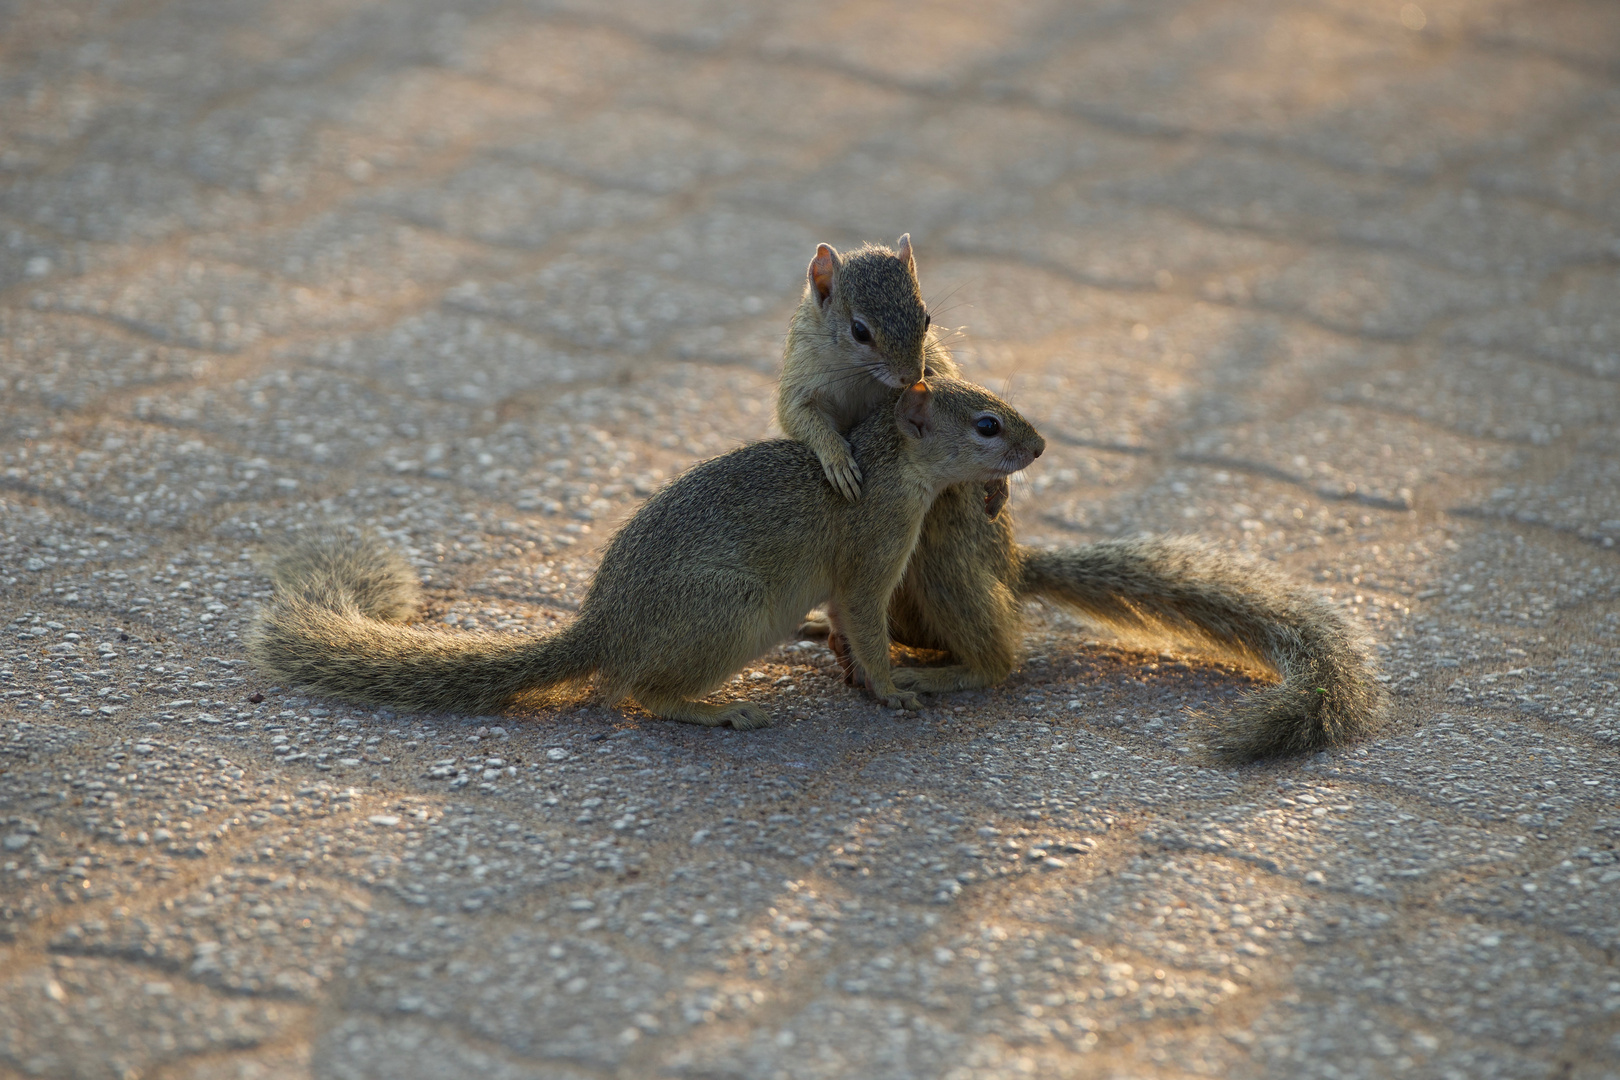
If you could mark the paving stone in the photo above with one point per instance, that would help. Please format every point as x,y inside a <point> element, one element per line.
<point>703,24</point>
<point>1119,246</point>
<point>1321,838</point>
<point>258,934</point>
<point>1572,894</point>
<point>69,364</point>
<point>1552,776</point>
<point>508,203</point>
<point>1491,394</point>
<point>643,150</point>
<point>90,1018</point>
<point>1523,991</point>
<point>1460,231</point>
<point>803,110</point>
<point>1571,171</point>
<point>1307,450</point>
<point>1578,330</point>
<point>1581,500</point>
<point>364,1047</point>
<point>944,49</point>
<point>1324,82</point>
<point>112,471</point>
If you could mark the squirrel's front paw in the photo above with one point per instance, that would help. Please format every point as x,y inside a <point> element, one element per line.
<point>996,494</point>
<point>844,475</point>
<point>901,699</point>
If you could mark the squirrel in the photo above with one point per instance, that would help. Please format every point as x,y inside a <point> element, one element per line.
<point>704,577</point>
<point>861,325</point>
<point>860,329</point>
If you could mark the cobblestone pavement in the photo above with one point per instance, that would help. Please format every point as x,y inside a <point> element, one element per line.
<point>1329,281</point>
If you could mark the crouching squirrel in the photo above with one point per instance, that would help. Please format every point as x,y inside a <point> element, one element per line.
<point>862,320</point>
<point>712,571</point>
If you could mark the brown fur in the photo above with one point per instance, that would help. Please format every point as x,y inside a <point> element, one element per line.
<point>331,570</point>
<point>831,381</point>
<point>965,587</point>
<point>707,575</point>
<point>1185,589</point>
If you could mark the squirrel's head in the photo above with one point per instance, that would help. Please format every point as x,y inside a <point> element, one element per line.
<point>970,433</point>
<point>870,310</point>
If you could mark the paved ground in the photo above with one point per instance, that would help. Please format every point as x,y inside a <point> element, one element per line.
<point>1331,282</point>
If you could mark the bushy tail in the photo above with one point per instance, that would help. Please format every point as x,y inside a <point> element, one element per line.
<point>334,571</point>
<point>334,629</point>
<point>1329,694</point>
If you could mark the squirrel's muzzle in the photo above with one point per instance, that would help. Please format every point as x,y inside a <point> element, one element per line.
<point>1017,459</point>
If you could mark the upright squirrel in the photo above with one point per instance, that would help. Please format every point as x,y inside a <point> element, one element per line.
<point>846,350</point>
<point>706,576</point>
<point>862,325</point>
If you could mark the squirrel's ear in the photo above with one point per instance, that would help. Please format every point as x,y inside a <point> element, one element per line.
<point>902,248</point>
<point>915,409</point>
<point>822,270</point>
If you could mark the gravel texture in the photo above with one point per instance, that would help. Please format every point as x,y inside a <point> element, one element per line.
<point>1330,283</point>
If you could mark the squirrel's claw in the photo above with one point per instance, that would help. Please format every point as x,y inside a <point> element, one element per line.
<point>901,699</point>
<point>844,476</point>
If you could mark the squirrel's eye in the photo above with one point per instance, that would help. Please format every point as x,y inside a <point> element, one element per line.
<point>987,426</point>
<point>860,333</point>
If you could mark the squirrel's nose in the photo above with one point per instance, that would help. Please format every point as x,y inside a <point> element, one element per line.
<point>1040,444</point>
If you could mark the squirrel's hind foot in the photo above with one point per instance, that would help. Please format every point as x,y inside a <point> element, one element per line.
<point>741,715</point>
<point>940,680</point>
<point>744,716</point>
<point>815,627</point>
<point>899,699</point>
